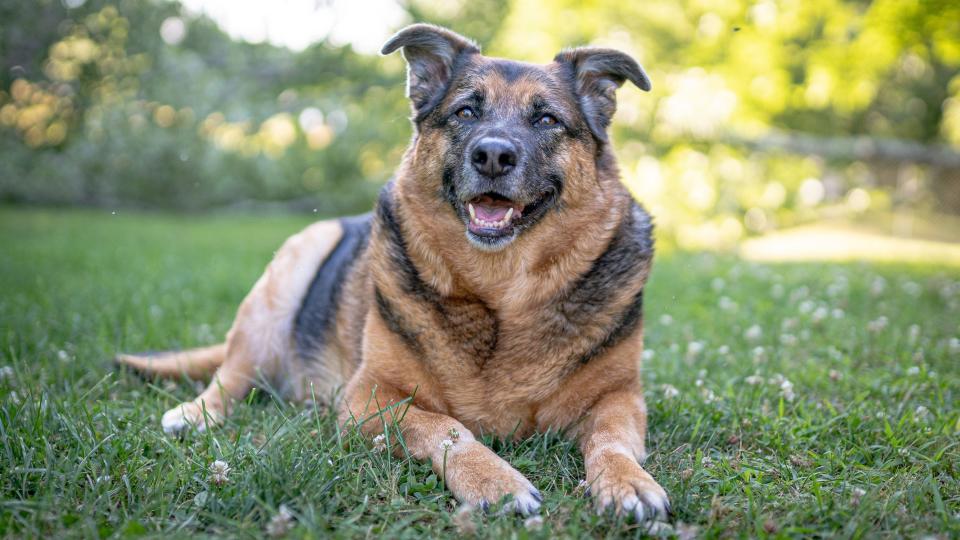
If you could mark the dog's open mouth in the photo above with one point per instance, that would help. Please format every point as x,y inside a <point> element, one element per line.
<point>494,219</point>
<point>492,214</point>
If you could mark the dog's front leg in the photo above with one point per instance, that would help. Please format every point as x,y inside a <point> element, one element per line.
<point>473,473</point>
<point>611,440</point>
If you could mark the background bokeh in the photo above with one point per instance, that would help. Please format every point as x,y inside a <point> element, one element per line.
<point>765,114</point>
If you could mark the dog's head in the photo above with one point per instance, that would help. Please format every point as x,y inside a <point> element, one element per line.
<point>501,140</point>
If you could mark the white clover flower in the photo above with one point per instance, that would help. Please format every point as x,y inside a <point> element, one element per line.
<point>759,354</point>
<point>754,333</point>
<point>694,348</point>
<point>799,294</point>
<point>788,339</point>
<point>877,286</point>
<point>913,370</point>
<point>648,354</point>
<point>921,412</point>
<point>807,306</point>
<point>836,289</point>
<point>669,391</point>
<point>954,345</point>
<point>728,305</point>
<point>913,333</point>
<point>837,313</point>
<point>706,462</point>
<point>708,395</point>
<point>717,284</point>
<point>723,350</point>
<point>912,289</point>
<point>533,523</point>
<point>819,315</point>
<point>788,324</point>
<point>698,383</point>
<point>446,444</point>
<point>754,380</point>
<point>281,523</point>
<point>63,355</point>
<point>219,470</point>
<point>380,443</point>
<point>777,291</point>
<point>855,496</point>
<point>6,372</point>
<point>666,319</point>
<point>877,325</point>
<point>834,375</point>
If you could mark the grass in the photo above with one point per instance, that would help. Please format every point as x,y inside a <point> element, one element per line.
<point>867,447</point>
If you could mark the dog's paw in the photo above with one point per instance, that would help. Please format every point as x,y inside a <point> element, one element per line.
<point>477,476</point>
<point>190,415</point>
<point>623,486</point>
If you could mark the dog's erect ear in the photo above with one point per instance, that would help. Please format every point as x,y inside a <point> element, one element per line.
<point>597,75</point>
<point>430,52</point>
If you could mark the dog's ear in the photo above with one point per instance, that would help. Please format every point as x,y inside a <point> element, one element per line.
<point>597,74</point>
<point>431,53</point>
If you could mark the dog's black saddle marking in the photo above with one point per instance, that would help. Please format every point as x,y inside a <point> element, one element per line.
<point>319,307</point>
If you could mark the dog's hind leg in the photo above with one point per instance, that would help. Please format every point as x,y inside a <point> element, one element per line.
<point>259,345</point>
<point>197,364</point>
<point>232,381</point>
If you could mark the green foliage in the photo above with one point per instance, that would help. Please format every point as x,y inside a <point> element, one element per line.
<point>97,109</point>
<point>824,420</point>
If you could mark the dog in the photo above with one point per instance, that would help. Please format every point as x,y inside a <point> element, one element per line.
<point>497,287</point>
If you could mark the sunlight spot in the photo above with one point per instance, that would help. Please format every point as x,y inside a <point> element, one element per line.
<point>297,24</point>
<point>826,242</point>
<point>173,30</point>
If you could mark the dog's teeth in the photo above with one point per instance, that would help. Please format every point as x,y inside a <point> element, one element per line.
<point>473,213</point>
<point>506,219</point>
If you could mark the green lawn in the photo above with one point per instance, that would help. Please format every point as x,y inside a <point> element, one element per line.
<point>867,447</point>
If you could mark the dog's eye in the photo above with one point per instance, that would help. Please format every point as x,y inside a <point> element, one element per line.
<point>466,113</point>
<point>547,120</point>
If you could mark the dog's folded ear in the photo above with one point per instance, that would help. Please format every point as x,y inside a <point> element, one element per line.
<point>431,53</point>
<point>598,73</point>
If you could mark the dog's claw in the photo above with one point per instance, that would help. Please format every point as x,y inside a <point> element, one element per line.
<point>659,507</point>
<point>536,495</point>
<point>485,506</point>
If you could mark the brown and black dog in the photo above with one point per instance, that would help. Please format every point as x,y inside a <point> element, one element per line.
<point>497,287</point>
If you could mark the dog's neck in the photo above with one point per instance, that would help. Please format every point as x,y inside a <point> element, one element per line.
<point>533,269</point>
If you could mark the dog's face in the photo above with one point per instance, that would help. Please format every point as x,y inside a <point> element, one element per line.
<point>504,137</point>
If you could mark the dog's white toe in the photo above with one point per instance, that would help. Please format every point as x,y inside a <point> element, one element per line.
<point>187,416</point>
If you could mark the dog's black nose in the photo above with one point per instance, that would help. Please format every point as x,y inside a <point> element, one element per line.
<point>493,157</point>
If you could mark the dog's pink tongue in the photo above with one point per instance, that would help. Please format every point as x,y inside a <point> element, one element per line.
<point>490,209</point>
<point>490,213</point>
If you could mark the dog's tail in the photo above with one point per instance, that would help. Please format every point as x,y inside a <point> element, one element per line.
<point>198,363</point>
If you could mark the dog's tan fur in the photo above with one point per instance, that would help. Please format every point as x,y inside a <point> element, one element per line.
<point>468,340</point>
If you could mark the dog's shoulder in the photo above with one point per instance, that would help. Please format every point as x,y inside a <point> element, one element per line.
<point>604,305</point>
